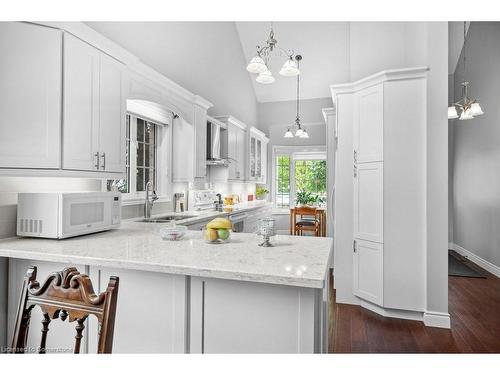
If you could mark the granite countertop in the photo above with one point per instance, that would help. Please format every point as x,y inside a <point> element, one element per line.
<point>294,261</point>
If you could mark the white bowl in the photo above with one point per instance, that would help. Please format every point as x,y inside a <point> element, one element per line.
<point>173,233</point>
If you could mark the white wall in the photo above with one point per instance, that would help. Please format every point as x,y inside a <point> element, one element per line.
<point>203,57</point>
<point>476,148</point>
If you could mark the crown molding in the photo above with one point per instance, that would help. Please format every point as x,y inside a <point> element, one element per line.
<point>228,119</point>
<point>374,79</point>
<point>328,112</point>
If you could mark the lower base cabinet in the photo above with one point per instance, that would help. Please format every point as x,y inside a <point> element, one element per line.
<point>165,313</point>
<point>368,261</point>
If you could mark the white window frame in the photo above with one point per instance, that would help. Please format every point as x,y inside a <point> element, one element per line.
<point>163,161</point>
<point>295,153</point>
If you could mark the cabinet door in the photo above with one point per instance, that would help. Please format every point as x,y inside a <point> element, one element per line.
<point>81,104</point>
<point>30,96</point>
<point>232,140</point>
<point>368,202</point>
<point>263,161</point>
<point>258,159</point>
<point>240,153</point>
<point>112,114</point>
<point>369,125</point>
<point>253,158</point>
<point>200,139</point>
<point>368,272</point>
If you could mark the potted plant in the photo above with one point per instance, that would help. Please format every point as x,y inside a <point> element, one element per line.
<point>261,192</point>
<point>306,198</point>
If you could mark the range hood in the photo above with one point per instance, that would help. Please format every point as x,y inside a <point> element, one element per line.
<point>214,145</point>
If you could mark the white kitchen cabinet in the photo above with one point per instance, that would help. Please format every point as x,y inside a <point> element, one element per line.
<point>236,147</point>
<point>30,96</point>
<point>368,260</point>
<point>257,155</point>
<point>94,109</point>
<point>388,164</point>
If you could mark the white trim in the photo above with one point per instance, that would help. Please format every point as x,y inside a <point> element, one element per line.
<point>374,79</point>
<point>437,319</point>
<point>429,318</point>
<point>490,267</point>
<point>259,133</point>
<point>328,112</point>
<point>228,119</point>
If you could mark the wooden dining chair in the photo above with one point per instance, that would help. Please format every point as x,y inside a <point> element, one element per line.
<point>306,220</point>
<point>66,294</point>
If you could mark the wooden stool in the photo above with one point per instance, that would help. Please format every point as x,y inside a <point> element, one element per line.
<point>66,294</point>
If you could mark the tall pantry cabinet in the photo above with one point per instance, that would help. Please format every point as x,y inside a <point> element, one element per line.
<point>386,116</point>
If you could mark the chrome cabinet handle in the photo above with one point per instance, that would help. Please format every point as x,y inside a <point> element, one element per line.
<point>96,160</point>
<point>103,155</point>
<point>355,156</point>
<point>355,170</point>
<point>354,245</point>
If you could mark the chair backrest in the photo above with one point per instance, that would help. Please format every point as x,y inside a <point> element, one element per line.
<point>66,294</point>
<point>306,211</point>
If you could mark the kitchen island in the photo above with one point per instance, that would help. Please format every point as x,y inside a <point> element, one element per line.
<point>189,296</point>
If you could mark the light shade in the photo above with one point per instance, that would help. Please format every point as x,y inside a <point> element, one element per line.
<point>304,134</point>
<point>452,112</point>
<point>257,65</point>
<point>475,109</point>
<point>466,115</point>
<point>290,69</point>
<point>299,132</point>
<point>288,134</point>
<point>265,77</point>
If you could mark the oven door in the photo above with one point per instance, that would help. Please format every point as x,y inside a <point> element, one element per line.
<point>88,213</point>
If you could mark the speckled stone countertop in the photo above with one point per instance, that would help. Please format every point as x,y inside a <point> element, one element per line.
<point>294,261</point>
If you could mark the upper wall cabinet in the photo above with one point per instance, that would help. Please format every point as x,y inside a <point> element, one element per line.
<point>236,147</point>
<point>257,155</point>
<point>94,109</point>
<point>30,96</point>
<point>189,147</point>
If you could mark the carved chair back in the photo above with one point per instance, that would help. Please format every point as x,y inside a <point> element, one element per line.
<point>66,294</point>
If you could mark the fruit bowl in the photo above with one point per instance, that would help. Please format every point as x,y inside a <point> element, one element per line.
<point>218,231</point>
<point>173,233</point>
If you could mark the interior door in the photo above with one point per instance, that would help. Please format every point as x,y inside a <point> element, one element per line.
<point>369,125</point>
<point>368,271</point>
<point>81,105</point>
<point>112,115</point>
<point>30,96</point>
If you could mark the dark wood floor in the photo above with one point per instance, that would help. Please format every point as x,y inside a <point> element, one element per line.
<point>474,306</point>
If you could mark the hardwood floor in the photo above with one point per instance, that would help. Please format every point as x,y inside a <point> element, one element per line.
<point>474,306</point>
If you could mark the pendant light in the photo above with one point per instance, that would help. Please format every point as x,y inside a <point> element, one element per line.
<point>469,107</point>
<point>300,132</point>
<point>259,63</point>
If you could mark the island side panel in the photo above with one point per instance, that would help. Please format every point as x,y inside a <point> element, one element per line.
<point>3,301</point>
<point>253,317</point>
<point>151,311</point>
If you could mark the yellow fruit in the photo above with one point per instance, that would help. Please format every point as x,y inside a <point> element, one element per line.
<point>220,223</point>
<point>211,235</point>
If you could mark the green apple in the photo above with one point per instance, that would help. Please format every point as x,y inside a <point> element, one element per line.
<point>223,234</point>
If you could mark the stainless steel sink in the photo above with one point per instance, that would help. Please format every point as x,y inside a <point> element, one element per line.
<point>164,219</point>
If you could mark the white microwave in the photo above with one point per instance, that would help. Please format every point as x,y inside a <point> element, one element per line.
<point>63,215</point>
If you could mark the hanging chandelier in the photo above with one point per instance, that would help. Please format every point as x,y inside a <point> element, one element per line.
<point>260,63</point>
<point>469,107</point>
<point>300,131</point>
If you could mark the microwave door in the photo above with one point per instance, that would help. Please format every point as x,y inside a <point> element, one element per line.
<point>84,215</point>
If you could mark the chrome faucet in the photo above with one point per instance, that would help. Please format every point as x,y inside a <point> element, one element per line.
<point>150,199</point>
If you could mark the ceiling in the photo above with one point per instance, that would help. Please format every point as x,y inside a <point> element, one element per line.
<point>323,45</point>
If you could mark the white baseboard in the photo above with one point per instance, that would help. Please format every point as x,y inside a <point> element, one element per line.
<point>391,313</point>
<point>490,267</point>
<point>437,319</point>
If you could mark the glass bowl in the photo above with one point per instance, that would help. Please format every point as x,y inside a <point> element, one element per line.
<point>173,233</point>
<point>216,236</point>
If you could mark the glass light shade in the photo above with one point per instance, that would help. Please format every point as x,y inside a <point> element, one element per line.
<point>452,112</point>
<point>299,132</point>
<point>265,77</point>
<point>288,134</point>
<point>466,115</point>
<point>475,110</point>
<point>257,65</point>
<point>304,134</point>
<point>290,69</point>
